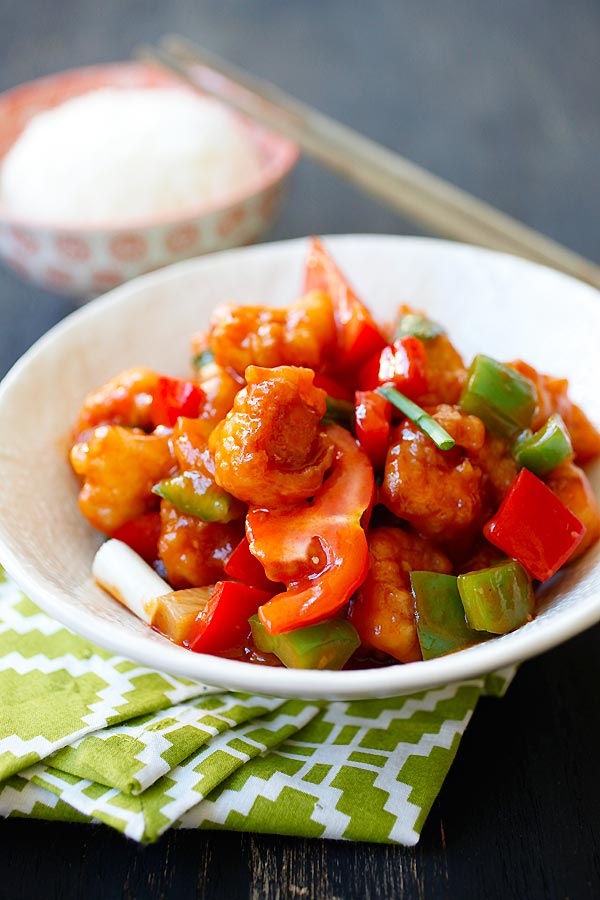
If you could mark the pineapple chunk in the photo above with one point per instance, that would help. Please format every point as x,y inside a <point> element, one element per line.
<point>127,577</point>
<point>176,611</point>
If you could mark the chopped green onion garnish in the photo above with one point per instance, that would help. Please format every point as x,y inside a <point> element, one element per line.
<point>205,358</point>
<point>426,423</point>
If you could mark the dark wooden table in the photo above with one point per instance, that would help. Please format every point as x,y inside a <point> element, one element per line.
<point>502,99</point>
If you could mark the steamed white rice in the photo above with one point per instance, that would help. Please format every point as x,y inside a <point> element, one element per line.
<point>117,155</point>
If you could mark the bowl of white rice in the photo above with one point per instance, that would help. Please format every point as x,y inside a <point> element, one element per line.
<point>111,171</point>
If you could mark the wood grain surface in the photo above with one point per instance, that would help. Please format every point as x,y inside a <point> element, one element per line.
<point>502,99</point>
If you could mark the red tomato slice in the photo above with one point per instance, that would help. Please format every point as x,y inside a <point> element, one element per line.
<point>358,335</point>
<point>245,568</point>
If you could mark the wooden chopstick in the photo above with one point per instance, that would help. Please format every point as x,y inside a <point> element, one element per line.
<point>409,189</point>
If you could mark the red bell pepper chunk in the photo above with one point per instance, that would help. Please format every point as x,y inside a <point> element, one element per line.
<point>403,364</point>
<point>332,388</point>
<point>534,527</point>
<point>141,535</point>
<point>245,568</point>
<point>223,623</point>
<point>358,337</point>
<point>175,397</point>
<point>318,548</point>
<point>372,417</point>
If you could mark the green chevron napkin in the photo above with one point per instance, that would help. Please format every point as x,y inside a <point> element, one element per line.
<point>86,736</point>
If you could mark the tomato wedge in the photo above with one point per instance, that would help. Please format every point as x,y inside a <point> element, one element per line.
<point>318,548</point>
<point>358,337</point>
<point>245,568</point>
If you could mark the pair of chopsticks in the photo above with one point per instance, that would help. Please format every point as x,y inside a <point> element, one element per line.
<point>407,188</point>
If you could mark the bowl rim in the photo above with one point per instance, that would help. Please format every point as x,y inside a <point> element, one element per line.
<point>285,155</point>
<point>393,680</point>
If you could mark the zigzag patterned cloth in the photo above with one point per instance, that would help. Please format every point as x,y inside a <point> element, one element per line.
<point>86,736</point>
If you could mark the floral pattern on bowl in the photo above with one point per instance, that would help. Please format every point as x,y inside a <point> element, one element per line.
<point>85,261</point>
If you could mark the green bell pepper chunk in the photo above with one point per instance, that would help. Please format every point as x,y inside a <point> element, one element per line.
<point>197,495</point>
<point>416,414</point>
<point>327,645</point>
<point>542,451</point>
<point>441,624</point>
<point>500,396</point>
<point>413,325</point>
<point>498,599</point>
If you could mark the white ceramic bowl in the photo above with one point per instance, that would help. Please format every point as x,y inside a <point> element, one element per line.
<point>85,261</point>
<point>489,302</point>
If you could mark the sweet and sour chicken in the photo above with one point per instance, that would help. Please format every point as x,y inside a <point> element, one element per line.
<point>322,491</point>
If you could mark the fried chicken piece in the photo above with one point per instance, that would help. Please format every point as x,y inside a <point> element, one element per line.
<point>552,397</point>
<point>438,492</point>
<point>498,468</point>
<point>572,487</point>
<point>119,467</point>
<point>124,400</point>
<point>446,373</point>
<point>383,609</point>
<point>300,334</point>
<point>468,431</point>
<point>219,385</point>
<point>190,447</point>
<point>271,451</point>
<point>194,552</point>
<point>483,556</point>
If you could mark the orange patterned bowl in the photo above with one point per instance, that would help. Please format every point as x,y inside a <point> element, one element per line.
<point>85,261</point>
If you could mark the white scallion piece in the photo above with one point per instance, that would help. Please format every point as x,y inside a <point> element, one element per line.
<point>120,571</point>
